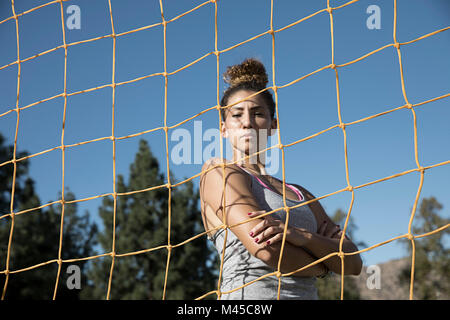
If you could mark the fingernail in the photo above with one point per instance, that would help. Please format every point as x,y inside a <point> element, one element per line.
<point>251,234</point>
<point>268,242</point>
<point>249,213</point>
<point>256,240</point>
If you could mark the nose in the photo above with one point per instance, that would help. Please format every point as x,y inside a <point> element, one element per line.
<point>246,119</point>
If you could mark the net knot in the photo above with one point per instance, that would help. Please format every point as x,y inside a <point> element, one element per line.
<point>330,10</point>
<point>397,45</point>
<point>409,106</point>
<point>332,66</point>
<point>410,236</point>
<point>342,126</point>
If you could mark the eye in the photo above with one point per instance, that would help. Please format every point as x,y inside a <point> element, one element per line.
<point>236,115</point>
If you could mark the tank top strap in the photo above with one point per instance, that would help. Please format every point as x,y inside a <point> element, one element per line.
<point>297,192</point>
<point>259,180</point>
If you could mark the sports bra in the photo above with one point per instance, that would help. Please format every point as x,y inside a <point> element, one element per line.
<point>296,190</point>
<point>240,267</point>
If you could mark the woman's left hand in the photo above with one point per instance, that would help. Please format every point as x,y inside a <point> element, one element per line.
<point>270,231</point>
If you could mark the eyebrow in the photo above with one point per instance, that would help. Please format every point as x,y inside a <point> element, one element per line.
<point>240,108</point>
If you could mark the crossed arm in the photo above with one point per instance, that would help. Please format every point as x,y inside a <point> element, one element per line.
<point>320,244</point>
<point>239,203</point>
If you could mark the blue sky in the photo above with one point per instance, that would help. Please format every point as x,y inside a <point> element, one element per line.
<point>377,148</point>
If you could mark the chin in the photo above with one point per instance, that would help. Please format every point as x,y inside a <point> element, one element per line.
<point>248,148</point>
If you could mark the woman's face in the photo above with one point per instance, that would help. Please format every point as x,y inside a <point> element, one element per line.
<point>248,123</point>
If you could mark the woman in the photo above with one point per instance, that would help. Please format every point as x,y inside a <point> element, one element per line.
<point>253,248</point>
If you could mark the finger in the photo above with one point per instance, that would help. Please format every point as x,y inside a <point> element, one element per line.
<point>269,233</point>
<point>276,238</point>
<point>339,235</point>
<point>322,228</point>
<point>335,234</point>
<point>253,214</point>
<point>262,214</point>
<point>260,227</point>
<point>333,231</point>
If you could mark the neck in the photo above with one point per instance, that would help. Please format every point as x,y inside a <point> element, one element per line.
<point>253,163</point>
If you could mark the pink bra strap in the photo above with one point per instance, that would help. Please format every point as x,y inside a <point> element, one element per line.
<point>254,176</point>
<point>299,194</point>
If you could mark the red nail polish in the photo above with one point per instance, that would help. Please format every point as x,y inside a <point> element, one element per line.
<point>256,240</point>
<point>249,213</point>
<point>268,242</point>
<point>251,234</point>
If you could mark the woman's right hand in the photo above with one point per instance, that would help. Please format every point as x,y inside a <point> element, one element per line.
<point>271,230</point>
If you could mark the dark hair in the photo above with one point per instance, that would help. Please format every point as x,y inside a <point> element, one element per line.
<point>249,75</point>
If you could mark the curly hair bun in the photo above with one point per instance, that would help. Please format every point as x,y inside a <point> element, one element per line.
<point>250,70</point>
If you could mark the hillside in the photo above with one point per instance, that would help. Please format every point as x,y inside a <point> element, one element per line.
<point>390,288</point>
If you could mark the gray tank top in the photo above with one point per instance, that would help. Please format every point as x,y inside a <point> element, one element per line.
<point>240,267</point>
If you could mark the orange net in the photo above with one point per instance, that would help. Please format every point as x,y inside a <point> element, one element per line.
<point>170,246</point>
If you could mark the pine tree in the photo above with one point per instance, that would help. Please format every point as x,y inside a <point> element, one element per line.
<point>6,175</point>
<point>432,258</point>
<point>142,223</point>
<point>35,237</point>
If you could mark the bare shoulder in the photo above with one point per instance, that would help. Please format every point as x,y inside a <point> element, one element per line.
<point>215,165</point>
<point>211,162</point>
<point>214,179</point>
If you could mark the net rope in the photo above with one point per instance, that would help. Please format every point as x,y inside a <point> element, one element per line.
<point>169,246</point>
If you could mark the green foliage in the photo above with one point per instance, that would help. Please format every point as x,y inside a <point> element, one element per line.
<point>35,236</point>
<point>329,288</point>
<point>142,223</point>
<point>432,258</point>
